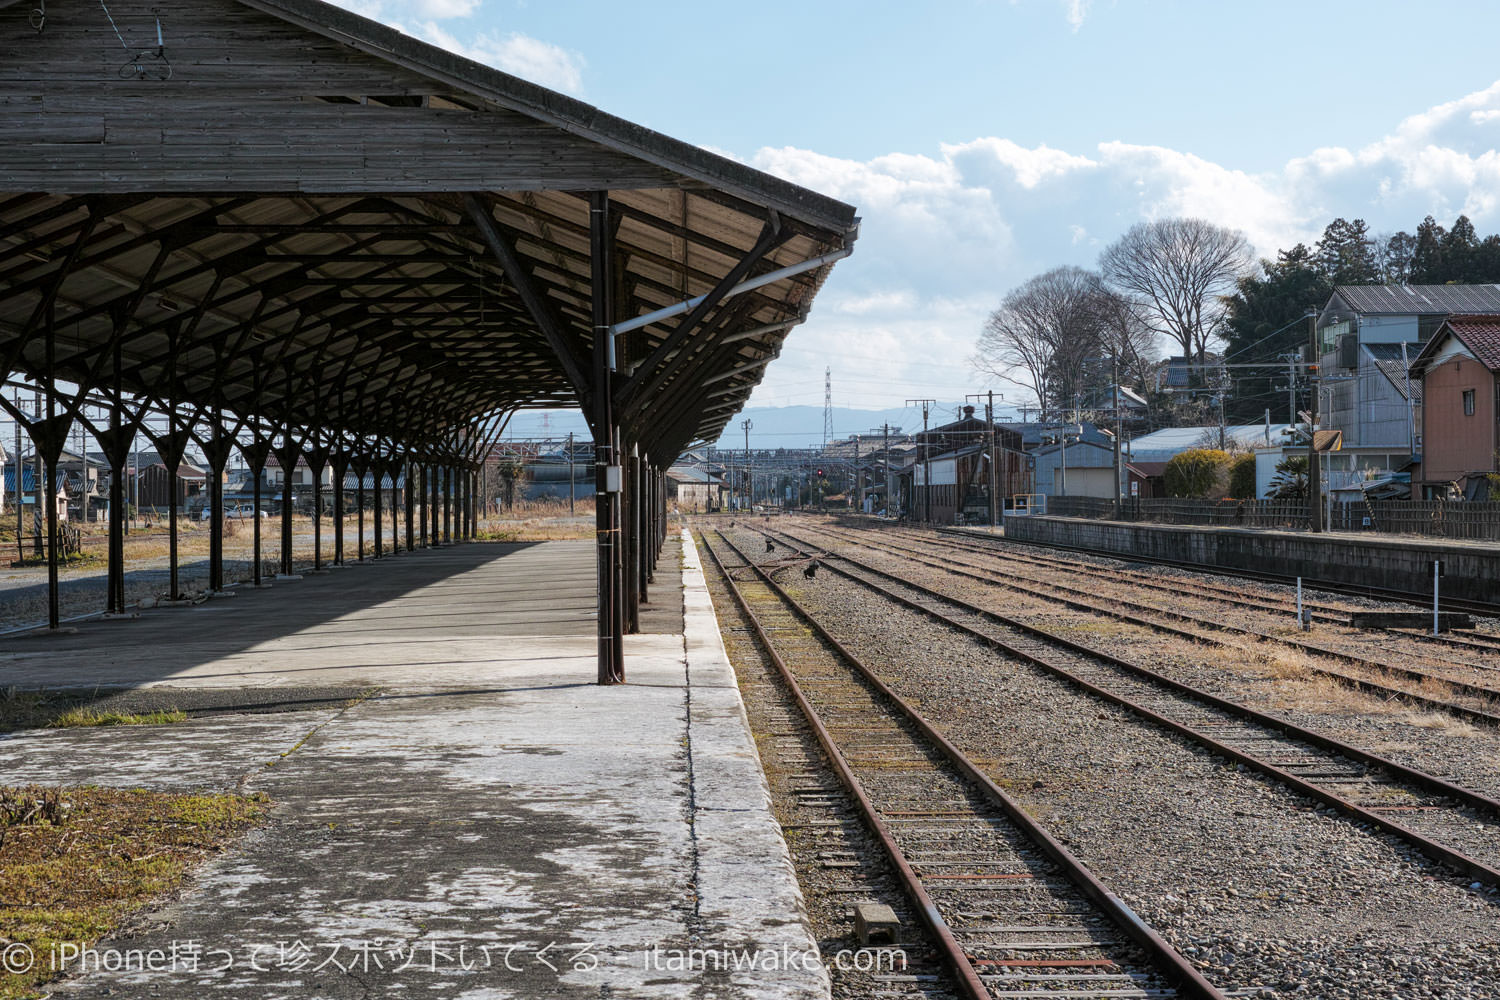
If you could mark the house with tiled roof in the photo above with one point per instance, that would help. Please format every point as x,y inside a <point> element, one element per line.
<point>1459,368</point>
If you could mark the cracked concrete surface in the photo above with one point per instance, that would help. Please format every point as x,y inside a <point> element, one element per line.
<point>490,825</point>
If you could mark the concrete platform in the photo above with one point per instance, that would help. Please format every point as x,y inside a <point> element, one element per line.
<point>488,824</point>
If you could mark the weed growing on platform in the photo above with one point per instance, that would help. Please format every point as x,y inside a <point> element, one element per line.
<point>82,717</point>
<point>75,862</point>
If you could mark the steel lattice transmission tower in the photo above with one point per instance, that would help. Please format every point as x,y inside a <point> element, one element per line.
<point>827,407</point>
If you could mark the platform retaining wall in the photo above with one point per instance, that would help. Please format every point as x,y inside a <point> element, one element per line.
<point>1471,571</point>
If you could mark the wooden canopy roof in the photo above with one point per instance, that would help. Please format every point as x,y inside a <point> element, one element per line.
<point>297,214</point>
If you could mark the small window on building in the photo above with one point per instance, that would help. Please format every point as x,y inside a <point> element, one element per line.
<point>1468,402</point>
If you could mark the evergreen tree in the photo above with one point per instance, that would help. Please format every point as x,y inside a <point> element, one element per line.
<point>1346,254</point>
<point>1459,245</point>
<point>1396,259</point>
<point>1485,262</point>
<point>1427,267</point>
<point>1262,325</point>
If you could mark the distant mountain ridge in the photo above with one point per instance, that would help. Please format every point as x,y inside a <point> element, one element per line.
<point>771,426</point>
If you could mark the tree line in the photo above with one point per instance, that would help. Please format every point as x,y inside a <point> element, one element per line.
<point>1186,282</point>
<point>1261,317</point>
<point>1063,334</point>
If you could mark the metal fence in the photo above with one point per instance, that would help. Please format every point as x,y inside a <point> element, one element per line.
<point>1435,518</point>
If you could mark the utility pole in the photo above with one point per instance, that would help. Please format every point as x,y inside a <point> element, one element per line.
<point>989,416</point>
<point>745,425</point>
<point>827,409</point>
<point>885,483</point>
<point>1314,477</point>
<point>1119,433</point>
<point>859,479</point>
<point>926,451</point>
<point>1291,390</point>
<point>572,493</point>
<point>990,455</point>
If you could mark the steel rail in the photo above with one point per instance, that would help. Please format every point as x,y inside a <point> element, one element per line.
<point>1486,608</point>
<point>1169,961</point>
<point>1437,852</point>
<point>1206,591</point>
<point>1359,683</point>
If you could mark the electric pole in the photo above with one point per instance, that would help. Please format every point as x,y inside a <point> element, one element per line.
<point>926,453</point>
<point>827,408</point>
<point>571,492</point>
<point>859,479</point>
<point>885,482</point>
<point>1314,477</point>
<point>745,425</point>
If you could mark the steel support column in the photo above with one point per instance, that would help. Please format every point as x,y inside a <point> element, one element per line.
<point>360,466</point>
<point>340,463</point>
<point>447,504</point>
<point>426,502</point>
<point>379,474</point>
<point>411,505</point>
<point>630,539</point>
<point>611,626</point>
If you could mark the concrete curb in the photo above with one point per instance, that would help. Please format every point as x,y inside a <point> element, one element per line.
<point>744,868</point>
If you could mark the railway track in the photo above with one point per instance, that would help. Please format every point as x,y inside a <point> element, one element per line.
<point>1014,913</point>
<point>1449,824</point>
<point>1484,608</point>
<point>1208,591</point>
<point>1206,630</point>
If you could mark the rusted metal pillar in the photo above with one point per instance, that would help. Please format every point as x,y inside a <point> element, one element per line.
<point>471,477</point>
<point>117,449</point>
<point>611,625</point>
<point>288,459</point>
<point>630,541</point>
<point>425,503</point>
<point>257,469</point>
<point>447,505</point>
<point>644,542</point>
<point>216,450</point>
<point>340,463</point>
<point>115,597</point>
<point>53,442</point>
<point>360,467</point>
<point>317,460</point>
<point>411,505</point>
<point>317,514</point>
<point>379,474</point>
<point>394,471</point>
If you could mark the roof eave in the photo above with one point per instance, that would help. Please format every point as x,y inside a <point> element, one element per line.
<point>567,113</point>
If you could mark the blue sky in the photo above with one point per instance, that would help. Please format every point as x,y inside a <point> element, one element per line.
<point>985,142</point>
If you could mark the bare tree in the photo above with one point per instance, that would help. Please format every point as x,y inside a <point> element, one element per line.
<point>1181,269</point>
<point>1044,333</point>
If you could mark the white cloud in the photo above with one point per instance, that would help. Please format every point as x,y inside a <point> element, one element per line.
<point>1076,11</point>
<point>946,235</point>
<point>520,55</point>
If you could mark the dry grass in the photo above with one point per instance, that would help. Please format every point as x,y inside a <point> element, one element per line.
<point>74,863</point>
<point>1443,723</point>
<point>86,717</point>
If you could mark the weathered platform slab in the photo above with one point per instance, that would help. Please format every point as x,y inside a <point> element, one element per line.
<point>488,824</point>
